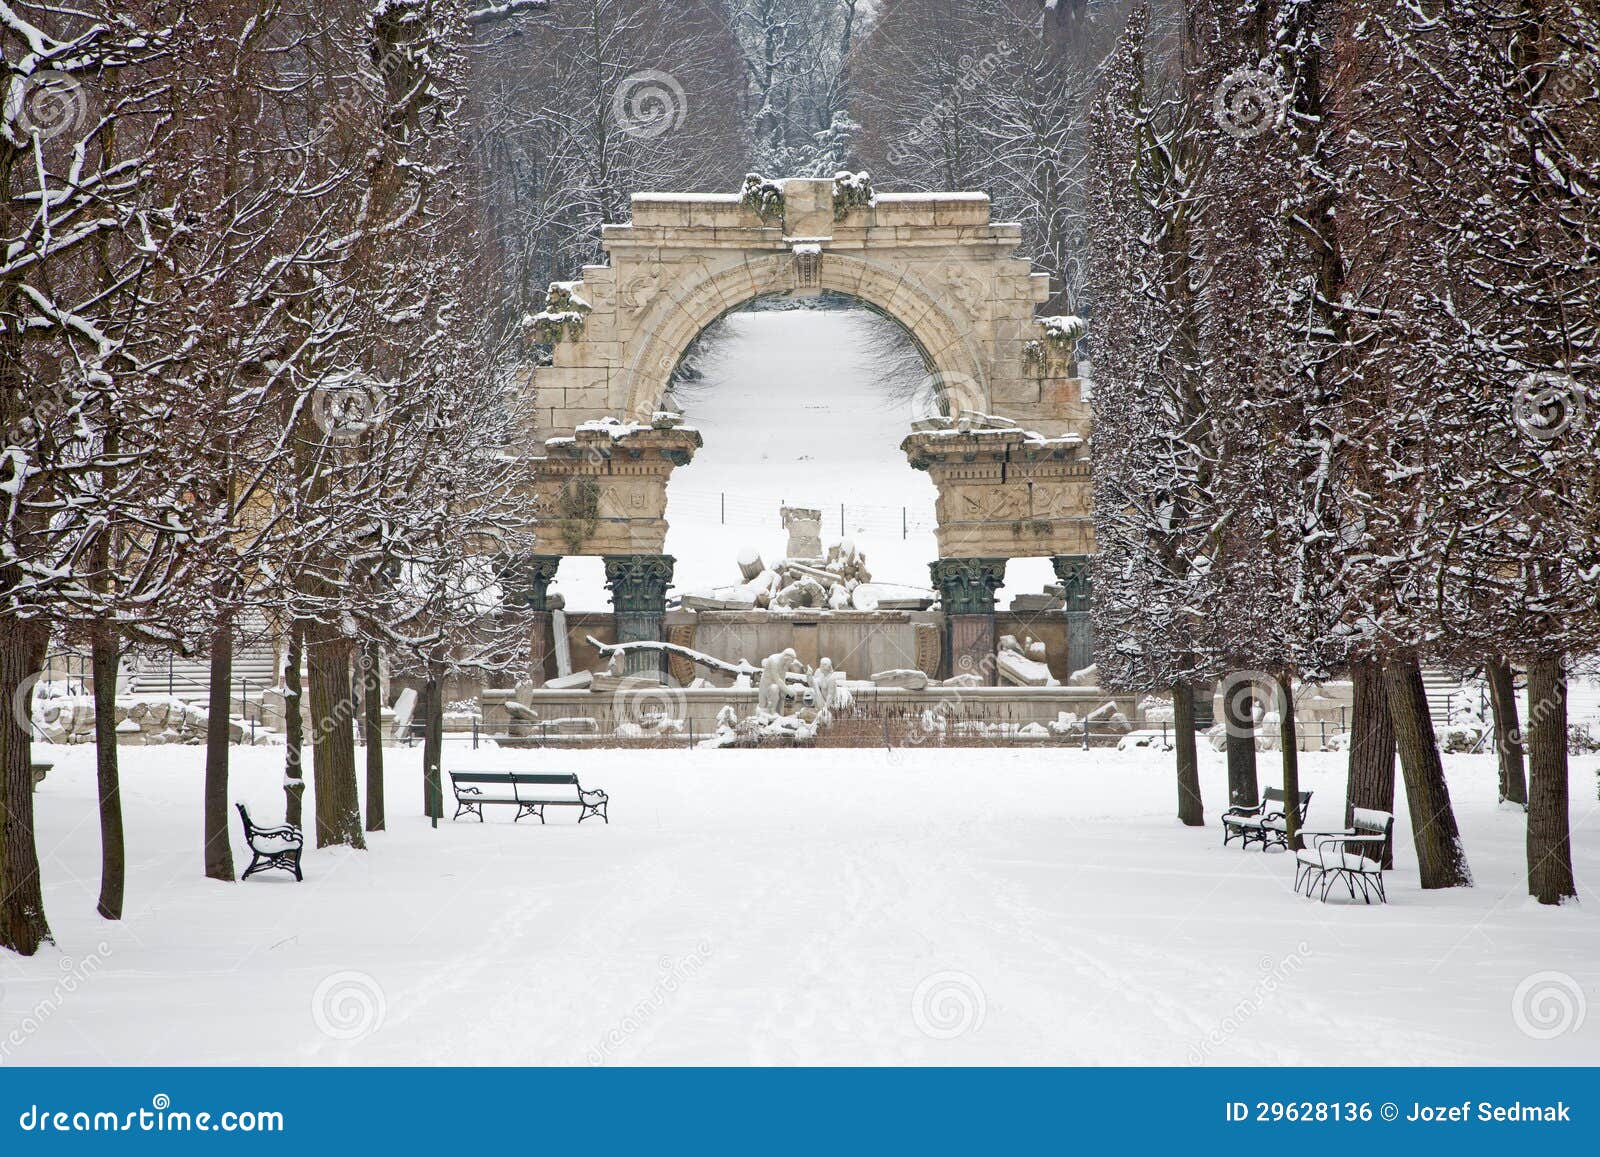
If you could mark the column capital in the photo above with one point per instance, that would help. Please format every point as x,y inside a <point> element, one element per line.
<point>1076,573</point>
<point>638,582</point>
<point>526,579</point>
<point>966,585</point>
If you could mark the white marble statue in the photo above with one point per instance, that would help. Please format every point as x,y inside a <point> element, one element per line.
<point>774,669</point>
<point>825,690</point>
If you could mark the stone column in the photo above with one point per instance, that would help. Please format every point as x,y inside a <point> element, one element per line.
<point>1075,572</point>
<point>966,591</point>
<point>638,585</point>
<point>527,585</point>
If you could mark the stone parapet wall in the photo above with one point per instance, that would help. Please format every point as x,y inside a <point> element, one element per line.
<point>698,708</point>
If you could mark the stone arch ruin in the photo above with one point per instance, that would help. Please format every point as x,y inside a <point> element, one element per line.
<point>1005,439</point>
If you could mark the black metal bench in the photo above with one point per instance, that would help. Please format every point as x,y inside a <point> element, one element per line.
<point>1355,855</point>
<point>530,793</point>
<point>1263,824</point>
<point>272,847</point>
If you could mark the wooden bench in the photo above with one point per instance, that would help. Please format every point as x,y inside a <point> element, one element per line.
<point>1355,855</point>
<point>272,847</point>
<point>530,793</point>
<point>1265,823</point>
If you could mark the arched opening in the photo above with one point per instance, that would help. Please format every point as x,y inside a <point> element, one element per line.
<point>802,402</point>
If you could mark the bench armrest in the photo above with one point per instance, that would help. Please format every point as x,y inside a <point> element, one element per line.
<point>1241,810</point>
<point>1339,839</point>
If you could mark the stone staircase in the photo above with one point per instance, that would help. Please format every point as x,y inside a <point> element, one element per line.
<point>1446,693</point>
<point>254,670</point>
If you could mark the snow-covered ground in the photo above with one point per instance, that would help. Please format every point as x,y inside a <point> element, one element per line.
<point>792,412</point>
<point>926,907</point>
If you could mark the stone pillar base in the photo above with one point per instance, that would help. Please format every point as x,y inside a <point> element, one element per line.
<point>966,592</point>
<point>1075,573</point>
<point>526,581</point>
<point>972,646</point>
<point>541,645</point>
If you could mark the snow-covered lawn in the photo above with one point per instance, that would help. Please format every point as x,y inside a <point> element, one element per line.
<point>781,907</point>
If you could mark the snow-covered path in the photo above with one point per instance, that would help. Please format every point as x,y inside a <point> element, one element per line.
<point>789,907</point>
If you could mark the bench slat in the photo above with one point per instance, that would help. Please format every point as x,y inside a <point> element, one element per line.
<point>511,777</point>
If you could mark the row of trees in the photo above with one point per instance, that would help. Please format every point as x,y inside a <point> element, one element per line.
<point>249,374</point>
<point>1345,259</point>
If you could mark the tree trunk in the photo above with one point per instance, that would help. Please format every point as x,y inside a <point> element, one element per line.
<point>1190,811</point>
<point>219,854</point>
<point>333,739</point>
<point>294,774</point>
<point>1550,879</point>
<point>22,922</point>
<point>1289,740</point>
<point>1507,735</point>
<point>433,744</point>
<point>1441,860</point>
<point>1370,779</point>
<point>104,653</point>
<point>1239,723</point>
<point>372,718</point>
